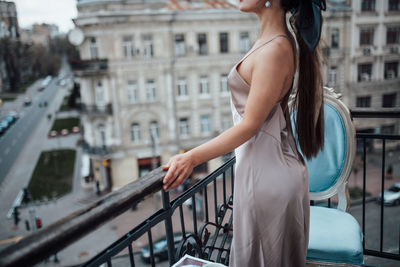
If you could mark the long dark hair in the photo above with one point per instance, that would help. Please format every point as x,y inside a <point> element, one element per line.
<point>309,116</point>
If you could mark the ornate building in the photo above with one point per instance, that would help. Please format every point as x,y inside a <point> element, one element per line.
<point>153,79</point>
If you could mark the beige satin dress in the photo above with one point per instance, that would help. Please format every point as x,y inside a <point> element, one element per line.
<point>271,201</point>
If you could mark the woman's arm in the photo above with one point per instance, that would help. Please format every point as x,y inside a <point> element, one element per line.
<point>267,80</point>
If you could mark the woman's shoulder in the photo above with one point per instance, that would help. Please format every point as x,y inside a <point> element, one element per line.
<point>278,53</point>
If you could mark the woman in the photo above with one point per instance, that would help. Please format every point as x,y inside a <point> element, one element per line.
<point>271,203</point>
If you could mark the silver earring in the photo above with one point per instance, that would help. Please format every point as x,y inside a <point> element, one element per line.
<point>267,4</point>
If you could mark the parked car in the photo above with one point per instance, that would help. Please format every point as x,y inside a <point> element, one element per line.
<point>4,124</point>
<point>10,119</point>
<point>27,101</point>
<point>160,249</point>
<point>391,195</point>
<point>14,114</point>
<point>53,133</point>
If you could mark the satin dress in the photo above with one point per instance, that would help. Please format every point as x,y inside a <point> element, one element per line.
<point>271,193</point>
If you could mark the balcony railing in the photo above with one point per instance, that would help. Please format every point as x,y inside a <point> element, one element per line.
<point>89,66</point>
<point>96,150</point>
<point>206,234</point>
<point>96,109</point>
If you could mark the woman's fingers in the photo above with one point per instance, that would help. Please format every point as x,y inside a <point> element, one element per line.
<point>177,182</point>
<point>170,176</point>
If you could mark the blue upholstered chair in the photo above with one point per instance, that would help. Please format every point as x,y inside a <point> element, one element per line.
<point>335,235</point>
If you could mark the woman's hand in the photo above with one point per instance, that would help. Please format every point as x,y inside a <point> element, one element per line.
<point>179,168</point>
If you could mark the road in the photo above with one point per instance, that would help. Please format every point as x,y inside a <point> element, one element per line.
<point>15,138</point>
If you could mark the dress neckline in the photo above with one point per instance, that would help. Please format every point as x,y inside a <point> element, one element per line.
<point>250,52</point>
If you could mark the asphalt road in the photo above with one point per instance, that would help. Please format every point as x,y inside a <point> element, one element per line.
<point>15,138</point>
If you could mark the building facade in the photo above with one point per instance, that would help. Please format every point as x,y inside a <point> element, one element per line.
<point>374,60</point>
<point>8,20</point>
<point>153,79</point>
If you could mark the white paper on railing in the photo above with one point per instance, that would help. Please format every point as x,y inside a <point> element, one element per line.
<point>190,261</point>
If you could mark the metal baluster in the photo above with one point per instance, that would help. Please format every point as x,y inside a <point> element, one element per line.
<point>194,213</point>
<point>182,221</point>
<point>109,263</point>
<point>233,178</point>
<point>206,202</point>
<point>224,186</point>
<point>382,190</point>
<point>131,258</point>
<point>215,202</point>
<point>151,248</point>
<point>364,186</point>
<point>329,202</point>
<point>168,228</point>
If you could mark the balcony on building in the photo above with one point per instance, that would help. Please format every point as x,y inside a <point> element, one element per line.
<point>96,110</point>
<point>89,67</point>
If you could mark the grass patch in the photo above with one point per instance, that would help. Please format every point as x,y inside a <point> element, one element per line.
<point>64,105</point>
<point>8,98</point>
<point>66,123</point>
<point>53,174</point>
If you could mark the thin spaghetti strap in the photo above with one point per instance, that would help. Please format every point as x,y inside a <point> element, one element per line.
<point>251,51</point>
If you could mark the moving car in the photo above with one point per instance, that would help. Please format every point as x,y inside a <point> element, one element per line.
<point>45,83</point>
<point>391,195</point>
<point>160,249</point>
<point>27,101</point>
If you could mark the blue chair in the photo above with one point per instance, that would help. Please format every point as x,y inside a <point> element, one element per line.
<point>335,236</point>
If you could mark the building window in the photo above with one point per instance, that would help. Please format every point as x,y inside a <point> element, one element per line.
<point>94,48</point>
<point>101,135</point>
<point>151,90</point>
<point>364,72</point>
<point>394,5</point>
<point>184,127</point>
<point>391,69</point>
<point>389,100</point>
<point>127,45</point>
<point>332,75</point>
<point>131,90</point>
<point>154,130</point>
<point>148,45</point>
<point>223,42</point>
<point>182,88</point>
<point>205,124</point>
<point>224,83</point>
<point>179,45</point>
<point>393,35</point>
<point>363,101</point>
<point>99,91</point>
<point>204,90</point>
<point>335,38</point>
<point>367,5</point>
<point>387,129</point>
<point>202,40</point>
<point>135,133</point>
<point>244,42</point>
<point>367,36</point>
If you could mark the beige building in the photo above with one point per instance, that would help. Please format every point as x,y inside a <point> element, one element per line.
<point>39,34</point>
<point>153,79</point>
<point>335,44</point>
<point>374,60</point>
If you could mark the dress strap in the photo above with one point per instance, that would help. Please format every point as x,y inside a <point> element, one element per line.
<point>251,51</point>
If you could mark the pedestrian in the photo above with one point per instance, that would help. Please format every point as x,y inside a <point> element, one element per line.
<point>389,172</point>
<point>271,194</point>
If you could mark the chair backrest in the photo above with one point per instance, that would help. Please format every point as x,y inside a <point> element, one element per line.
<point>330,169</point>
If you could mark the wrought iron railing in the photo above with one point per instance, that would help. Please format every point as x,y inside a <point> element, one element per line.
<point>208,237</point>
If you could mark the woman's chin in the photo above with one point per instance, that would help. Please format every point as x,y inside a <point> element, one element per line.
<point>244,8</point>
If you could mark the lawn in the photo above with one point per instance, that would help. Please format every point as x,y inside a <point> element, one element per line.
<point>53,174</point>
<point>66,123</point>
<point>64,105</point>
<point>8,98</point>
